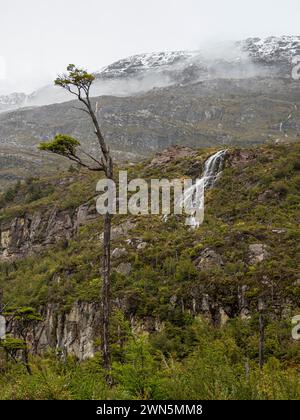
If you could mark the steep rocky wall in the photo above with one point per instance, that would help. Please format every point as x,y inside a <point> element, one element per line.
<point>77,331</point>
<point>73,333</point>
<point>30,233</point>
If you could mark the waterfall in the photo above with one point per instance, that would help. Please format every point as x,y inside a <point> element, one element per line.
<point>193,197</point>
<point>213,166</point>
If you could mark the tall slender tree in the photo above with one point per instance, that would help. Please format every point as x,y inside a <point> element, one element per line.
<point>78,82</point>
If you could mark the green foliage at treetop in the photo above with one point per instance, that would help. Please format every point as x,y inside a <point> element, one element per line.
<point>61,144</point>
<point>76,77</point>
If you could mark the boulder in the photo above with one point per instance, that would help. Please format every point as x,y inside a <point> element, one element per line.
<point>124,268</point>
<point>209,259</point>
<point>171,154</point>
<point>119,230</point>
<point>241,158</point>
<point>142,245</point>
<point>258,253</point>
<point>85,213</point>
<point>266,195</point>
<point>118,253</point>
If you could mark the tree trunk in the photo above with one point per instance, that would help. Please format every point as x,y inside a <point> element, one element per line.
<point>108,169</point>
<point>261,340</point>
<point>25,358</point>
<point>106,292</point>
<point>1,300</point>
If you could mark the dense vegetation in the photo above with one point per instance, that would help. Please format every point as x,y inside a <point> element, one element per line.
<point>216,367</point>
<point>255,201</point>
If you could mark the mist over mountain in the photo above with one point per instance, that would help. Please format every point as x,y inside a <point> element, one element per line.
<point>140,73</point>
<point>235,94</point>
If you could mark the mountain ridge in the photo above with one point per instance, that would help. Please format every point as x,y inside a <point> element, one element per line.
<point>170,65</point>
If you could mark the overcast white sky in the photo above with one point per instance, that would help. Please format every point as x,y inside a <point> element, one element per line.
<point>39,38</point>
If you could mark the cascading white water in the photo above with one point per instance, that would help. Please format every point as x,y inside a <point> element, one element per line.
<point>213,167</point>
<point>193,197</point>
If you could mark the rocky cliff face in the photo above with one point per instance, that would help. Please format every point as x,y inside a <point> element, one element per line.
<point>76,331</point>
<point>72,333</point>
<point>31,233</point>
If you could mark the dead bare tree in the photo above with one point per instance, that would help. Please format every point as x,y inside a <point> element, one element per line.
<point>78,82</point>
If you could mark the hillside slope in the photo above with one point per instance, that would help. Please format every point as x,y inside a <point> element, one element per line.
<point>205,114</point>
<point>247,246</point>
<point>167,279</point>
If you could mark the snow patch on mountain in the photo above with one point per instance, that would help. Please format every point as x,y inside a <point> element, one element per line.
<point>272,49</point>
<point>269,57</point>
<point>14,100</point>
<point>142,62</point>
